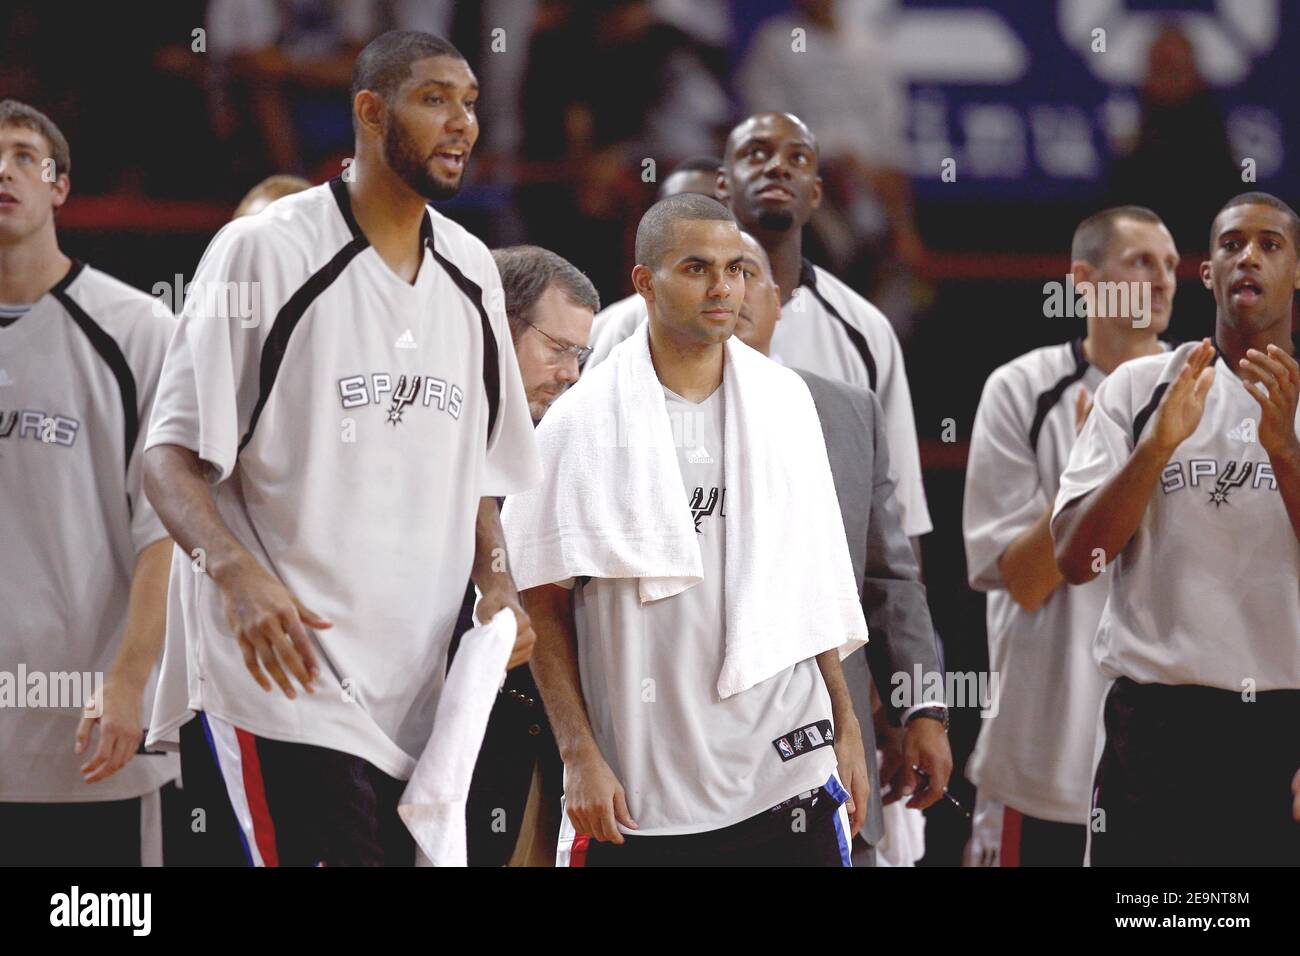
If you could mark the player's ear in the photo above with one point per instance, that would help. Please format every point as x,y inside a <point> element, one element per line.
<point>1081,271</point>
<point>59,190</point>
<point>1207,277</point>
<point>643,282</point>
<point>816,193</point>
<point>368,108</point>
<point>721,190</point>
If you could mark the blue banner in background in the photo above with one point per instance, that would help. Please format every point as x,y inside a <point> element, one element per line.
<point>1023,98</point>
<point>1032,101</point>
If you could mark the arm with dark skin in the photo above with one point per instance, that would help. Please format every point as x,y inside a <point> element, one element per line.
<point>1107,518</point>
<point>1028,566</point>
<point>1280,375</point>
<point>491,575</point>
<point>266,620</point>
<point>849,755</point>
<point>594,799</point>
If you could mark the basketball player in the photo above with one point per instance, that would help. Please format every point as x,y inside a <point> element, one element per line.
<point>329,466</point>
<point>218,842</point>
<point>692,774</point>
<point>84,556</point>
<point>615,322</point>
<point>893,597</point>
<point>1033,760</point>
<point>769,179</point>
<point>1183,491</point>
<point>268,191</point>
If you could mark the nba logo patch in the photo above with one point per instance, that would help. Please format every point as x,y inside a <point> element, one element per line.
<point>798,742</point>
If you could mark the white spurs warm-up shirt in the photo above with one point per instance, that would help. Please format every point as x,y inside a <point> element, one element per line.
<point>1208,590</point>
<point>351,428</point>
<point>828,329</point>
<point>1035,753</point>
<point>688,761</point>
<point>77,377</point>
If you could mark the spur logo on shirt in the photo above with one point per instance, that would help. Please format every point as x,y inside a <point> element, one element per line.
<point>39,426</point>
<point>702,507</point>
<point>1218,480</point>
<point>399,395</point>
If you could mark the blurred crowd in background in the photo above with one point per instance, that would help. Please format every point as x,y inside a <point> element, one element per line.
<point>198,101</point>
<point>207,98</point>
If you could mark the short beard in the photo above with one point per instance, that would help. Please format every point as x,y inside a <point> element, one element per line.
<point>414,171</point>
<point>770,220</point>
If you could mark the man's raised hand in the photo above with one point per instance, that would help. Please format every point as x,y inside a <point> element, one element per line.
<point>1273,380</point>
<point>1184,401</point>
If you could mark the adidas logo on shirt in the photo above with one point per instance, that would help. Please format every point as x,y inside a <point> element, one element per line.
<point>700,456</point>
<point>406,341</point>
<point>1244,432</point>
<point>4,378</point>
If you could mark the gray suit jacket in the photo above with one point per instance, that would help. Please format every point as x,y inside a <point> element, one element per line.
<point>884,566</point>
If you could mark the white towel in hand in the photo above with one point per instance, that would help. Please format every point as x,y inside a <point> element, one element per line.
<point>904,840</point>
<point>613,505</point>
<point>433,804</point>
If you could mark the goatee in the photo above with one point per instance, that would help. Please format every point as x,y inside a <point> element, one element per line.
<point>413,170</point>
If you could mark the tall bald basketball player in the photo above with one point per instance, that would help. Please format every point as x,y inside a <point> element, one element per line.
<point>1183,491</point>
<point>329,467</point>
<point>769,179</point>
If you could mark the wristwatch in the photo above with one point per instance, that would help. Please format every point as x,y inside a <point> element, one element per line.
<point>937,713</point>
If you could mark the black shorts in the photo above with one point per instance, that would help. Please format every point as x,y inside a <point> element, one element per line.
<point>99,833</point>
<point>810,829</point>
<point>1196,776</point>
<point>1010,838</point>
<point>302,805</point>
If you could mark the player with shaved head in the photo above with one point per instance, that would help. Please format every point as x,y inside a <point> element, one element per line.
<point>770,181</point>
<point>615,322</point>
<point>647,610</point>
<point>1183,492</point>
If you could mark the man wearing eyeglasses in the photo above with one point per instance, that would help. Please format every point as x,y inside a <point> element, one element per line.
<point>549,304</point>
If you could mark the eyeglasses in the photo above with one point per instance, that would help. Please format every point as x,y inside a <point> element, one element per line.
<point>579,352</point>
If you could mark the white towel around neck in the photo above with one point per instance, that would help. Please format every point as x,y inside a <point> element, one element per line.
<point>613,505</point>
